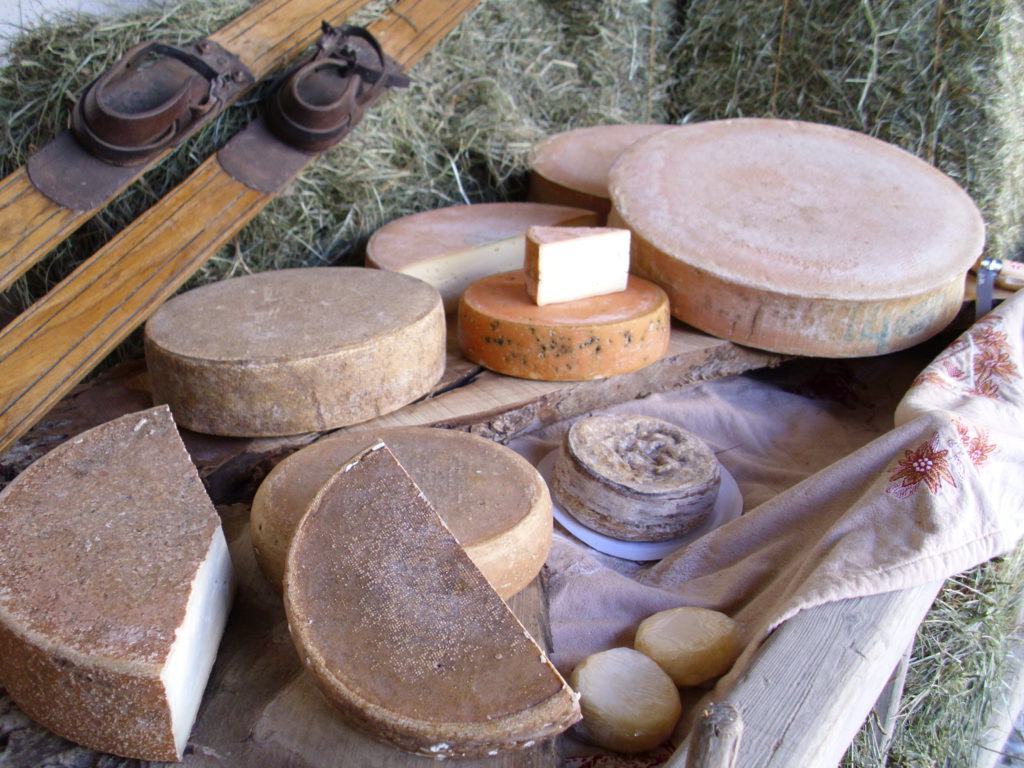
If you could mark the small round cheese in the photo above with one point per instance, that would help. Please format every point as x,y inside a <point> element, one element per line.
<point>693,645</point>
<point>494,501</point>
<point>628,703</point>
<point>295,350</point>
<point>501,328</point>
<point>635,478</point>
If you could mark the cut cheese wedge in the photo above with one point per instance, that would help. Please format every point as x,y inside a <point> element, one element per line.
<point>454,246</point>
<point>795,237</point>
<point>403,633</point>
<point>501,328</point>
<point>295,350</point>
<point>115,586</point>
<point>493,500</point>
<point>570,263</point>
<point>571,167</point>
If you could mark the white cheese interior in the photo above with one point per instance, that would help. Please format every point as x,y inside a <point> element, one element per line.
<point>195,644</point>
<point>581,267</point>
<point>452,273</point>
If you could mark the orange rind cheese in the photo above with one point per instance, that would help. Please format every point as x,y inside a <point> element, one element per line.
<point>500,328</point>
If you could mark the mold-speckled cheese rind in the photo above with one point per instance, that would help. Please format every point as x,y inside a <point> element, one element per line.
<point>493,500</point>
<point>297,350</point>
<point>501,328</point>
<point>100,542</point>
<point>635,478</point>
<point>796,237</point>
<point>403,633</point>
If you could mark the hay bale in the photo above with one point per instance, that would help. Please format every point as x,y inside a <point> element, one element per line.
<point>940,79</point>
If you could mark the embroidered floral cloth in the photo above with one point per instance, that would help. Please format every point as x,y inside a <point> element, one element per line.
<point>839,503</point>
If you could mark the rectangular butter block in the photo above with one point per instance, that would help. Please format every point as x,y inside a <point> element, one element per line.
<point>571,263</point>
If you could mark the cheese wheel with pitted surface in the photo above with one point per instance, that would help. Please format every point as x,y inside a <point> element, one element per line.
<point>501,328</point>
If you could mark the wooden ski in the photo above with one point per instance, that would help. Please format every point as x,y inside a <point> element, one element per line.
<point>263,39</point>
<point>46,350</point>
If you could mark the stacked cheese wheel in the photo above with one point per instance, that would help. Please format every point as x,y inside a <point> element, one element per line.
<point>788,236</point>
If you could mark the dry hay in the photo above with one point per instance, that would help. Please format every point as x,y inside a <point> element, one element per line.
<point>942,79</point>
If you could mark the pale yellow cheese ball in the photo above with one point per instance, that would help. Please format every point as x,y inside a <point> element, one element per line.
<point>629,704</point>
<point>693,645</point>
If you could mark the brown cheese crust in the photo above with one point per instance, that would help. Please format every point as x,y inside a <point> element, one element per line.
<point>402,632</point>
<point>100,541</point>
<point>795,237</point>
<point>500,328</point>
<point>296,350</point>
<point>571,167</point>
<point>635,478</point>
<point>493,500</point>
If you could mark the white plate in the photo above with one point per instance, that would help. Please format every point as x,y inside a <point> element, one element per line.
<point>728,506</point>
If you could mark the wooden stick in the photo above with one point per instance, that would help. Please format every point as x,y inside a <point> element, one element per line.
<point>716,737</point>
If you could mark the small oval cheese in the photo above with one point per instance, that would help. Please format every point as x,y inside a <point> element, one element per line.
<point>495,502</point>
<point>635,478</point>
<point>115,587</point>
<point>628,703</point>
<point>454,246</point>
<point>501,328</point>
<point>402,632</point>
<point>693,645</point>
<point>295,350</point>
<point>571,167</point>
<point>795,237</point>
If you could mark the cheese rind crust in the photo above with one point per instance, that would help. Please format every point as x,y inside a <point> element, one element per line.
<point>501,329</point>
<point>101,541</point>
<point>493,500</point>
<point>296,350</point>
<point>402,632</point>
<point>635,478</point>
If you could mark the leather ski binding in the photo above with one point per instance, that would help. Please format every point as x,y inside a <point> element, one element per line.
<point>153,98</point>
<point>321,100</point>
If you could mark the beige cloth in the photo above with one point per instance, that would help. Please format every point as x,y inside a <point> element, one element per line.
<point>839,503</point>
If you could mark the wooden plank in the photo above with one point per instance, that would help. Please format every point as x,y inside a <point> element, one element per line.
<point>52,346</point>
<point>264,37</point>
<point>815,679</point>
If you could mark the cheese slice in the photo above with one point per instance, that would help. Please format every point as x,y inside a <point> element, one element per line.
<point>451,247</point>
<point>501,328</point>
<point>571,167</point>
<point>115,586</point>
<point>570,263</point>
<point>796,237</point>
<point>295,350</point>
<point>402,632</point>
<point>493,500</point>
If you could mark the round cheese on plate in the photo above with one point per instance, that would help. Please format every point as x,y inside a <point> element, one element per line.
<point>501,328</point>
<point>494,501</point>
<point>295,350</point>
<point>796,237</point>
<point>635,478</point>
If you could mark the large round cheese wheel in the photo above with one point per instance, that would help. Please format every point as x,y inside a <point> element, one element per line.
<point>296,350</point>
<point>454,246</point>
<point>115,587</point>
<point>796,237</point>
<point>494,501</point>
<point>402,632</point>
<point>571,167</point>
<point>502,329</point>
